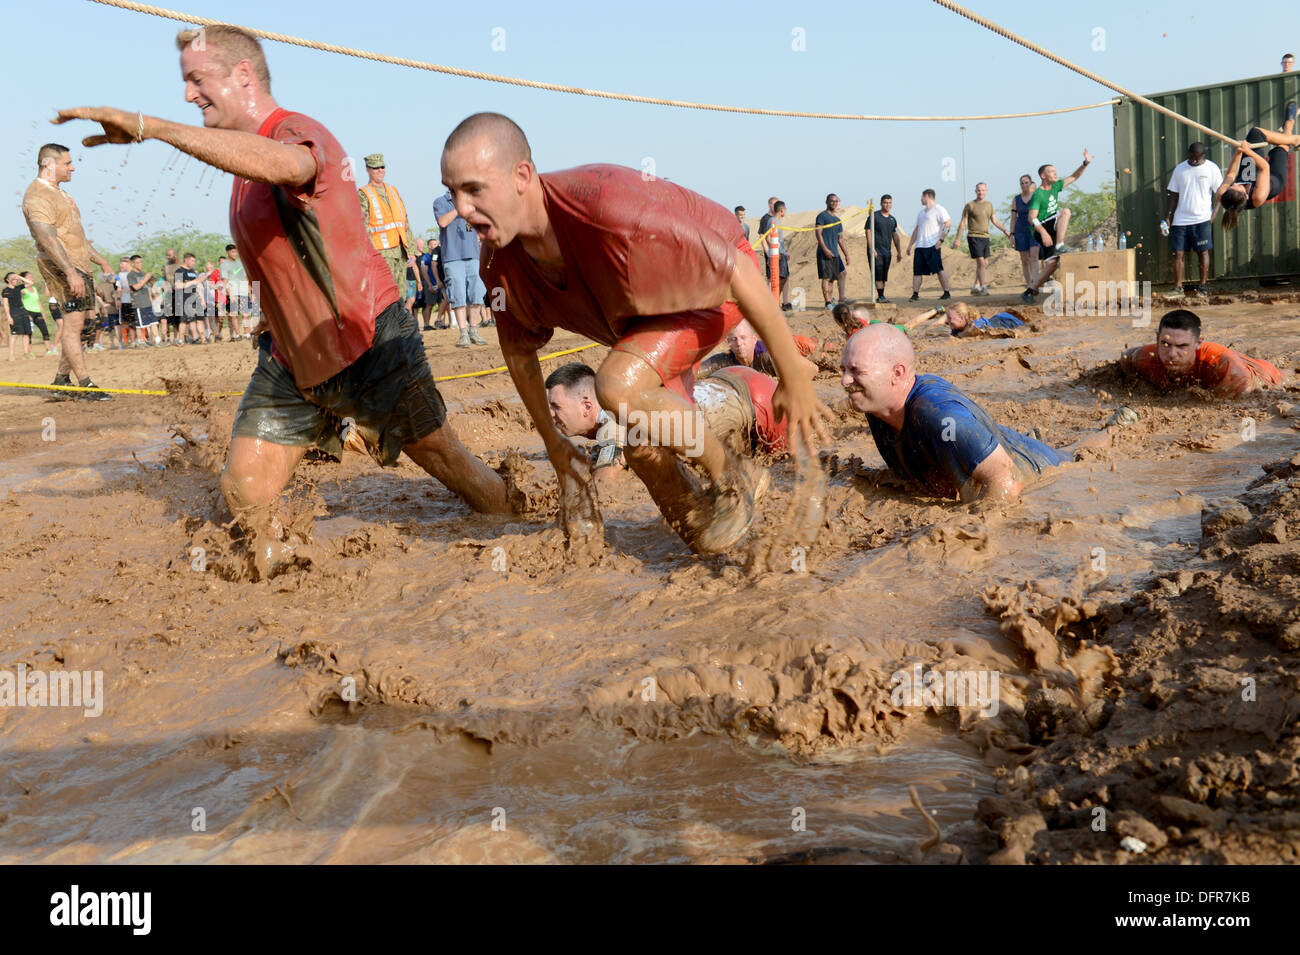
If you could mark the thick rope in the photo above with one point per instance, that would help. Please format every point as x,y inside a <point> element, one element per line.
<point>561,88</point>
<point>1030,45</point>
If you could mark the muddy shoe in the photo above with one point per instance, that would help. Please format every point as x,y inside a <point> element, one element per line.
<point>464,339</point>
<point>475,337</point>
<point>1123,415</point>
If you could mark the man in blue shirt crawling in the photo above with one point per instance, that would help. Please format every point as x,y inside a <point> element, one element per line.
<point>929,432</point>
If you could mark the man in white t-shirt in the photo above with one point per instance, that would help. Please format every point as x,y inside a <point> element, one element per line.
<point>1192,205</point>
<point>932,224</point>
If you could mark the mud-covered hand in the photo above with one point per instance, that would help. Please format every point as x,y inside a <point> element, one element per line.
<point>579,512</point>
<point>795,401</point>
<point>120,127</point>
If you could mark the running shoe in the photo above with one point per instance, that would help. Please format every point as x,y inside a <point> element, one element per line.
<point>1202,291</point>
<point>60,395</point>
<point>916,297</point>
<point>464,339</point>
<point>945,296</point>
<point>1123,415</point>
<point>92,395</point>
<point>883,301</point>
<point>475,337</point>
<point>1028,296</point>
<point>1175,292</point>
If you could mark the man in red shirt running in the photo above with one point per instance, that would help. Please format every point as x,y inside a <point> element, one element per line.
<point>659,273</point>
<point>1181,357</point>
<point>341,348</point>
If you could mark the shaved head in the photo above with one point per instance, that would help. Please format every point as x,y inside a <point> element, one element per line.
<point>878,369</point>
<point>487,166</point>
<point>507,141</point>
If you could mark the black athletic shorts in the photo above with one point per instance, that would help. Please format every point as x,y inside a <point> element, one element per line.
<point>1046,251</point>
<point>927,261</point>
<point>829,268</point>
<point>978,245</point>
<point>389,393</point>
<point>20,322</point>
<point>1279,159</point>
<point>883,260</point>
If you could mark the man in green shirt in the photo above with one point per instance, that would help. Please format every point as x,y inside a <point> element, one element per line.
<point>979,212</point>
<point>1050,222</point>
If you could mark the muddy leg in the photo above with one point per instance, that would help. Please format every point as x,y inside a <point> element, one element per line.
<point>255,474</point>
<point>445,458</point>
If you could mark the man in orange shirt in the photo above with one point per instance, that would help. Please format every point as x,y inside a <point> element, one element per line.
<point>1181,357</point>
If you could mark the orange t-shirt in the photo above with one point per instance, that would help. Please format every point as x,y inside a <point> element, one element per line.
<point>1218,369</point>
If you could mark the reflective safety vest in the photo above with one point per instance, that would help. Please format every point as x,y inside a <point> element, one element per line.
<point>387,220</point>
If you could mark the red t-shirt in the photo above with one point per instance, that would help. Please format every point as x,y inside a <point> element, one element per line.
<point>1218,369</point>
<point>632,249</point>
<point>771,432</point>
<point>321,282</point>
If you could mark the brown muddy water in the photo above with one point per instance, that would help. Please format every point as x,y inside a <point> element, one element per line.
<point>437,686</point>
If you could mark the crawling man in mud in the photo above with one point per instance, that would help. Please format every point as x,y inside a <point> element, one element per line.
<point>341,346</point>
<point>657,272</point>
<point>734,403</point>
<point>928,431</point>
<point>1181,357</point>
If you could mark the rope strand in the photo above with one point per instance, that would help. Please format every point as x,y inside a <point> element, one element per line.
<point>562,88</point>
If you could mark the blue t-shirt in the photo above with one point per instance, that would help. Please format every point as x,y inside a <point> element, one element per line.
<point>457,241</point>
<point>1000,320</point>
<point>831,234</point>
<point>946,436</point>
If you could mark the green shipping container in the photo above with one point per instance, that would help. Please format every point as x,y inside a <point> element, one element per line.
<point>1264,248</point>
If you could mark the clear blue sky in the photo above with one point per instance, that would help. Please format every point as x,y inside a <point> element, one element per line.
<point>908,57</point>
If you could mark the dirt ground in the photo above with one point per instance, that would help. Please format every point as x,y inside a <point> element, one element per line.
<point>434,685</point>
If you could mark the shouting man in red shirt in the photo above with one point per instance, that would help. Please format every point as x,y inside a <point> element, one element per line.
<point>342,350</point>
<point>659,273</point>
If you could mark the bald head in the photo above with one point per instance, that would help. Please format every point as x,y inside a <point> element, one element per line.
<point>743,340</point>
<point>878,369</point>
<point>499,134</point>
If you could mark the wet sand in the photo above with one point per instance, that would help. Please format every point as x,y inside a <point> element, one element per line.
<point>439,686</point>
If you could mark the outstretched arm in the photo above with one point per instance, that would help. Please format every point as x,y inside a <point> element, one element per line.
<point>1083,167</point>
<point>995,479</point>
<point>248,155</point>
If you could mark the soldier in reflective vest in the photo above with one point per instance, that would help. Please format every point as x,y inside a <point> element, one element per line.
<point>384,214</point>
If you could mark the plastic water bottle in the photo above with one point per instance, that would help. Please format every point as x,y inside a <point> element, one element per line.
<point>1123,241</point>
<point>1164,226</point>
<point>1092,242</point>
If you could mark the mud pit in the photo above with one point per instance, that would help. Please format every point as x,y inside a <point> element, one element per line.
<point>430,672</point>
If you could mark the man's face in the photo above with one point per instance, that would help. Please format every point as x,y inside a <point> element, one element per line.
<point>834,204</point>
<point>866,380</point>
<point>1288,63</point>
<point>1049,175</point>
<point>740,215</point>
<point>376,174</point>
<point>927,201</point>
<point>1026,184</point>
<point>62,167</point>
<point>171,256</point>
<point>742,341</point>
<point>487,195</point>
<point>189,261</point>
<point>1176,349</point>
<point>1195,159</point>
<point>419,246</point>
<point>137,265</point>
<point>233,255</point>
<point>886,205</point>
<point>572,410</point>
<point>981,191</point>
<point>223,98</point>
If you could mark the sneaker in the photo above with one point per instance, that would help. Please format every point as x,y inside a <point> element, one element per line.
<point>975,290</point>
<point>1028,296</point>
<point>475,337</point>
<point>945,296</point>
<point>1175,292</point>
<point>464,339</point>
<point>1290,111</point>
<point>428,328</point>
<point>984,290</point>
<point>1062,247</point>
<point>883,301</point>
<point>916,297</point>
<point>1202,291</point>
<point>488,322</point>
<point>726,514</point>
<point>61,395</point>
<point>787,307</point>
<point>92,395</point>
